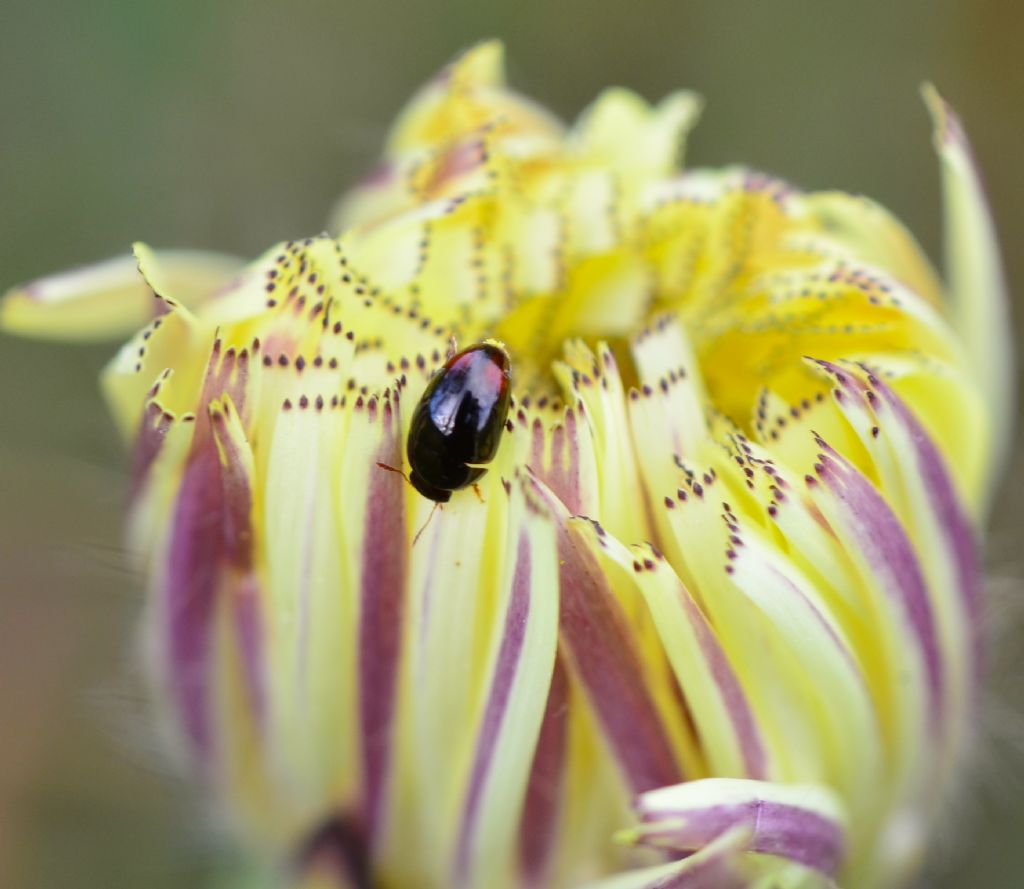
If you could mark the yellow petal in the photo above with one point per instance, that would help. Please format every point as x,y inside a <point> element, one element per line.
<point>622,130</point>
<point>876,237</point>
<point>521,660</point>
<point>111,299</point>
<point>974,270</point>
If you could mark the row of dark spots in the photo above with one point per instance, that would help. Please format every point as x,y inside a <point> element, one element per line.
<point>146,334</point>
<point>695,486</point>
<point>477,262</point>
<point>744,458</point>
<point>404,364</point>
<point>665,384</point>
<point>735,540</point>
<point>780,422</point>
<point>523,418</point>
<point>283,360</point>
<point>659,325</point>
<point>155,388</point>
<point>648,564</point>
<point>350,275</point>
<point>839,293</point>
<point>864,281</point>
<point>283,262</point>
<point>793,323</point>
<point>581,378</point>
<point>305,275</point>
<point>362,400</point>
<point>412,313</point>
<point>543,402</point>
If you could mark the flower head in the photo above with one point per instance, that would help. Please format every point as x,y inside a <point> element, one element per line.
<point>717,592</point>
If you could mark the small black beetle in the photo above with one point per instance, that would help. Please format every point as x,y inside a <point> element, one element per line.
<point>457,424</point>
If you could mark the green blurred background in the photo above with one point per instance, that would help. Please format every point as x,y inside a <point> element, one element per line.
<point>231,125</point>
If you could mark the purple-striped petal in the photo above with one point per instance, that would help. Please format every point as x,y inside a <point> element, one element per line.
<point>382,586</point>
<point>958,536</point>
<point>513,637</point>
<point>519,674</point>
<point>209,554</point>
<point>723,719</point>
<point>544,795</point>
<point>803,824</point>
<point>602,650</point>
<point>882,542</point>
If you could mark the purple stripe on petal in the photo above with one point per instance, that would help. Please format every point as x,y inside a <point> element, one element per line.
<point>604,653</point>
<point>380,626</point>
<point>755,759</point>
<point>237,531</point>
<point>494,712</point>
<point>193,568</point>
<point>249,634</point>
<point>609,666</point>
<point>210,553</point>
<point>562,474</point>
<point>237,500</point>
<point>884,545</point>
<point>788,831</point>
<point>227,373</point>
<point>538,829</point>
<point>952,519</point>
<point>152,431</point>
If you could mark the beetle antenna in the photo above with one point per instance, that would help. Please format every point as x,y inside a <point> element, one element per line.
<point>394,469</point>
<point>452,347</point>
<point>436,507</point>
<point>423,528</point>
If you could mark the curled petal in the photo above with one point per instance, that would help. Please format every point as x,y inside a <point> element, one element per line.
<point>977,287</point>
<point>721,864</point>
<point>111,299</point>
<point>805,824</point>
<point>713,867</point>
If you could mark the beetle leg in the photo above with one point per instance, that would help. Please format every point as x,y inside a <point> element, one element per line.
<point>423,528</point>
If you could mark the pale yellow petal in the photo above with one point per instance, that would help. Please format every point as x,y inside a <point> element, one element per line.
<point>112,299</point>
<point>974,271</point>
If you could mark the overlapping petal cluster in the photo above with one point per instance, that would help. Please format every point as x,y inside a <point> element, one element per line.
<point>719,593</point>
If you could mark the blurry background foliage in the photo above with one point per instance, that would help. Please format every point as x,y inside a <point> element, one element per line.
<point>231,125</point>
